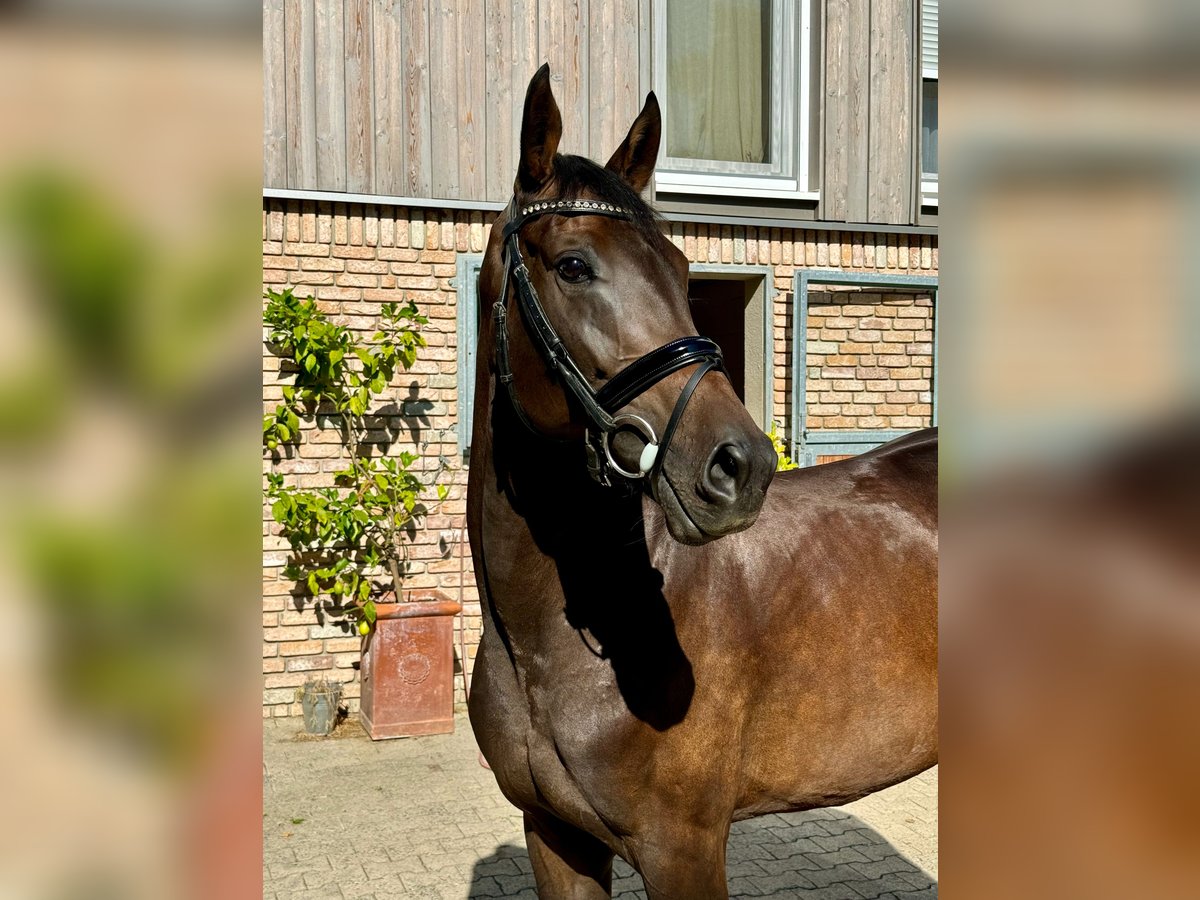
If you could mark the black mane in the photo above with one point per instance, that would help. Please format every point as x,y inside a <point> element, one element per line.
<point>577,176</point>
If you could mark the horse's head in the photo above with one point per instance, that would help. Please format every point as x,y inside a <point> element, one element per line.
<point>614,289</point>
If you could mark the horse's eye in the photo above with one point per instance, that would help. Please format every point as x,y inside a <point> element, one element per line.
<point>573,270</point>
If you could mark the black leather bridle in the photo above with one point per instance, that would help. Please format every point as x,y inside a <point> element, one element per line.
<point>601,407</point>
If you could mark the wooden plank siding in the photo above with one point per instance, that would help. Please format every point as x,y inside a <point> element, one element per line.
<point>299,54</point>
<point>274,95</point>
<point>330,68</point>
<point>869,140</point>
<point>422,98</point>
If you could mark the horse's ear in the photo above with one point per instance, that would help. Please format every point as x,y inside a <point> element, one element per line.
<point>635,158</point>
<point>541,128</point>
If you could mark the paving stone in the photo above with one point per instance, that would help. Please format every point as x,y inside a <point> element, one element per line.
<point>440,829</point>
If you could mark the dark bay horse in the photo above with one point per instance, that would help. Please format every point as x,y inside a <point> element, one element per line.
<point>677,647</point>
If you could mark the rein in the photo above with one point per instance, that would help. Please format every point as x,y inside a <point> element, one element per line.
<point>602,407</point>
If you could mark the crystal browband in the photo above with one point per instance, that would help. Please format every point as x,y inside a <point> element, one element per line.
<point>558,205</point>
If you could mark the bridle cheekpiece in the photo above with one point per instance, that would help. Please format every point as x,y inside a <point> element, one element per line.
<point>602,407</point>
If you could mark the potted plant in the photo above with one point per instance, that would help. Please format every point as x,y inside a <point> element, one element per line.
<point>350,540</point>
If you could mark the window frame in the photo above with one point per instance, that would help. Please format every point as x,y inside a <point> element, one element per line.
<point>792,176</point>
<point>466,287</point>
<point>805,446</point>
<point>929,181</point>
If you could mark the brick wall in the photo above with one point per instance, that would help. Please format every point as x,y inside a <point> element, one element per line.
<point>353,257</point>
<point>869,359</point>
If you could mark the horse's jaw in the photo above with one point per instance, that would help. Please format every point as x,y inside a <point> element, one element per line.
<point>685,528</point>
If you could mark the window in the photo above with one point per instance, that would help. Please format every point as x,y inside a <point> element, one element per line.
<point>929,100</point>
<point>467,287</point>
<point>735,79</point>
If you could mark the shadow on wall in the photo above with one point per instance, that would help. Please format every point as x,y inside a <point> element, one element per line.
<point>775,856</point>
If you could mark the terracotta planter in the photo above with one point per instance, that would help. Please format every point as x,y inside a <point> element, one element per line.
<point>408,667</point>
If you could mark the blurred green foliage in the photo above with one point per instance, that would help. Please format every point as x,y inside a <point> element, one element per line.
<point>127,510</point>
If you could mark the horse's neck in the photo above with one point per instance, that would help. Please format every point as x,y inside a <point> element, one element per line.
<point>572,577</point>
<point>549,532</point>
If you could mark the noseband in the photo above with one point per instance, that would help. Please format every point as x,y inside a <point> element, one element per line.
<point>602,407</point>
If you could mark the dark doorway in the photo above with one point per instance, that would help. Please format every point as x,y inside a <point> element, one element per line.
<point>719,311</point>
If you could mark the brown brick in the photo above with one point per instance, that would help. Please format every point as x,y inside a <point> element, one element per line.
<point>300,648</point>
<point>864,335</point>
<point>313,278</point>
<point>286,633</point>
<point>366,266</point>
<point>297,248</point>
<point>284,680</point>
<point>299,616</point>
<point>310,663</point>
<point>343,645</point>
<point>839,422</point>
<point>350,251</point>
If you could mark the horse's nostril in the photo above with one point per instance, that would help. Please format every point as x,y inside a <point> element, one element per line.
<point>727,463</point>
<point>726,473</point>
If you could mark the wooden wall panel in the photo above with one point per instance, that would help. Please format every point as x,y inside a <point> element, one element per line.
<point>868,136</point>
<point>627,88</point>
<point>422,98</point>
<point>387,25</point>
<point>274,96</point>
<point>360,107</point>
<point>472,103</point>
<point>501,141</point>
<point>890,197</point>
<point>847,82</point>
<point>330,68</point>
<point>443,97</point>
<point>300,92</point>
<point>601,89</point>
<point>525,61</point>
<point>416,127</point>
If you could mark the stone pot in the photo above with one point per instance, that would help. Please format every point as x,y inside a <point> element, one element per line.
<point>407,668</point>
<point>319,703</point>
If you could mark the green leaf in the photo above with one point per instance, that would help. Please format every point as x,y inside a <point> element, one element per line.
<point>310,363</point>
<point>369,611</point>
<point>442,491</point>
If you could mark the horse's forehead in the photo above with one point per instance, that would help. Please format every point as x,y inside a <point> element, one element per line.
<point>607,235</point>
